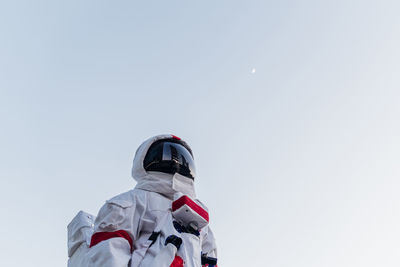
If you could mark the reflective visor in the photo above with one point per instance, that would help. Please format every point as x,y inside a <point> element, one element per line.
<point>170,156</point>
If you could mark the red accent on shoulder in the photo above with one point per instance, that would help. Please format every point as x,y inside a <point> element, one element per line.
<point>176,137</point>
<point>102,236</point>
<point>177,262</point>
<point>193,205</point>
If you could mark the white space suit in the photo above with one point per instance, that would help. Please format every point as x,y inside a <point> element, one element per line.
<point>132,228</point>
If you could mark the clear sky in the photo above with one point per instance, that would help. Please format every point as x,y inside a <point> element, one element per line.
<point>291,108</point>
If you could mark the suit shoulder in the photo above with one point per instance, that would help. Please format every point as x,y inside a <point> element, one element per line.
<point>124,200</point>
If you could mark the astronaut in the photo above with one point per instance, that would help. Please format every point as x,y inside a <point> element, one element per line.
<point>160,222</point>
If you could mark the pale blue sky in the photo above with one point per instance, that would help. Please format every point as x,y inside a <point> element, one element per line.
<point>298,162</point>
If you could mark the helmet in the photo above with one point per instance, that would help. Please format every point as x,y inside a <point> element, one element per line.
<point>170,155</point>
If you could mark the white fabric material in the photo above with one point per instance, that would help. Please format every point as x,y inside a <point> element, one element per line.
<point>183,185</point>
<point>141,211</point>
<point>114,252</point>
<point>165,256</point>
<point>80,231</point>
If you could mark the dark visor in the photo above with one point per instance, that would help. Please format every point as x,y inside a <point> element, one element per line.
<point>170,156</point>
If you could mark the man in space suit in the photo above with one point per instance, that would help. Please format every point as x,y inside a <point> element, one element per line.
<point>160,222</point>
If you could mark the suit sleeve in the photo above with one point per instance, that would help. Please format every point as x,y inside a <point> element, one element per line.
<point>209,249</point>
<point>113,240</point>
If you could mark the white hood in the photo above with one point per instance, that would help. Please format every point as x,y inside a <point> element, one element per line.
<point>163,183</point>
